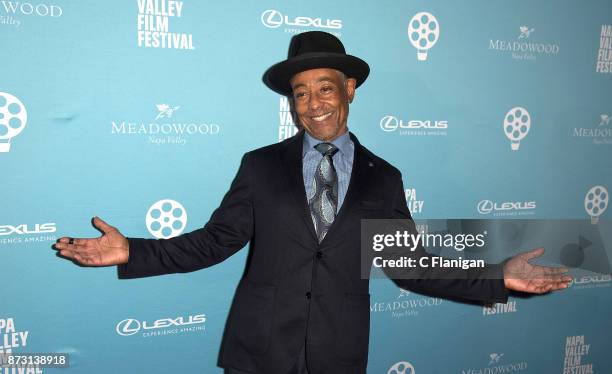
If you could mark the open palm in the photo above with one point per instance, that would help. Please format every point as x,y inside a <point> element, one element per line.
<point>520,275</point>
<point>109,249</point>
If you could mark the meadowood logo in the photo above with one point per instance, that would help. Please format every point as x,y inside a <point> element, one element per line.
<point>165,111</point>
<point>495,357</point>
<point>497,364</point>
<point>600,133</point>
<point>165,132</point>
<point>12,11</point>
<point>524,47</point>
<point>405,305</point>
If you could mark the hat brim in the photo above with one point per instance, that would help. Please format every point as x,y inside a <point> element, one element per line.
<point>277,77</point>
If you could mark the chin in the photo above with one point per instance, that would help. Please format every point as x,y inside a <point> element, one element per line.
<point>325,134</point>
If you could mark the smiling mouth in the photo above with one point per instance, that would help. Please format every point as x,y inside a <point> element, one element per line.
<point>322,117</point>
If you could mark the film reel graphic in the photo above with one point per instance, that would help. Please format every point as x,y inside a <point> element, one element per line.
<point>166,219</point>
<point>517,123</point>
<point>401,367</point>
<point>596,202</point>
<point>423,33</point>
<point>13,119</point>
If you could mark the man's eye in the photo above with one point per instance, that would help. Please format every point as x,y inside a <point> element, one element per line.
<point>299,95</point>
<point>326,89</point>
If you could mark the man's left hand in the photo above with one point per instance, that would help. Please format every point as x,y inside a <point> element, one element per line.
<point>520,275</point>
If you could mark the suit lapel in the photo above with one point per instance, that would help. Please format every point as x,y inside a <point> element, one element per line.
<point>292,160</point>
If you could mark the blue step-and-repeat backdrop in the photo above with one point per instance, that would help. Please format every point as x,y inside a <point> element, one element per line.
<point>116,108</point>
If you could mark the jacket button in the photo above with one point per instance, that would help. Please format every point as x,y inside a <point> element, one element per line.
<point>319,254</point>
<point>308,295</point>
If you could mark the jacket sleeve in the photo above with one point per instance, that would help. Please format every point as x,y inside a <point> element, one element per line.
<point>475,284</point>
<point>229,229</point>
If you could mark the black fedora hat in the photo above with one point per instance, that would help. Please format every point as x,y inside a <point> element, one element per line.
<point>313,50</point>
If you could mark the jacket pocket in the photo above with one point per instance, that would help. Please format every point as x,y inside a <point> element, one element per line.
<point>353,338</point>
<point>252,314</point>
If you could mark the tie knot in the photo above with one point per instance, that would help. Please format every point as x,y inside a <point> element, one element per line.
<point>326,149</point>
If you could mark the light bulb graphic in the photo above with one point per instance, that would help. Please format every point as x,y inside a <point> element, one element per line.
<point>13,118</point>
<point>596,202</point>
<point>423,32</point>
<point>402,367</point>
<point>516,125</point>
<point>166,219</point>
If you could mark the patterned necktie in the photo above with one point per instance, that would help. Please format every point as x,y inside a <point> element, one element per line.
<point>324,201</point>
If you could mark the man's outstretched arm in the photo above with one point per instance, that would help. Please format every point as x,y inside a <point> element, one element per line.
<point>229,229</point>
<point>488,284</point>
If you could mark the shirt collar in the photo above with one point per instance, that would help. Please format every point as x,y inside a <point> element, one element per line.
<point>343,142</point>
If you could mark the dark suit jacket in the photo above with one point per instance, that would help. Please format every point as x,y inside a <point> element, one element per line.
<point>295,289</point>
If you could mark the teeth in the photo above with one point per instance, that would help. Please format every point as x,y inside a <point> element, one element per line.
<point>322,118</point>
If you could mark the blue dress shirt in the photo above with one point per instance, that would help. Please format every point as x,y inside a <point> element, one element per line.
<point>343,163</point>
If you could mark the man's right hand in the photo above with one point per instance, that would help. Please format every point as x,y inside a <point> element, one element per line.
<point>111,248</point>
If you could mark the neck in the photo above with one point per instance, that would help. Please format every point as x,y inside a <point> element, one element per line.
<point>328,140</point>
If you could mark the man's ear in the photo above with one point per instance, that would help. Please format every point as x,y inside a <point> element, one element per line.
<point>349,85</point>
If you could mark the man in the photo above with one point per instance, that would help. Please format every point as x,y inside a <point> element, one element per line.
<point>302,306</point>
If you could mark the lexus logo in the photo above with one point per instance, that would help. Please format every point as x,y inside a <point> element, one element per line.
<point>272,18</point>
<point>485,207</point>
<point>131,326</point>
<point>128,327</point>
<point>25,229</point>
<point>388,123</point>
<point>392,123</point>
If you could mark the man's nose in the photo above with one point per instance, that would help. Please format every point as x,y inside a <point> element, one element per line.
<point>314,103</point>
